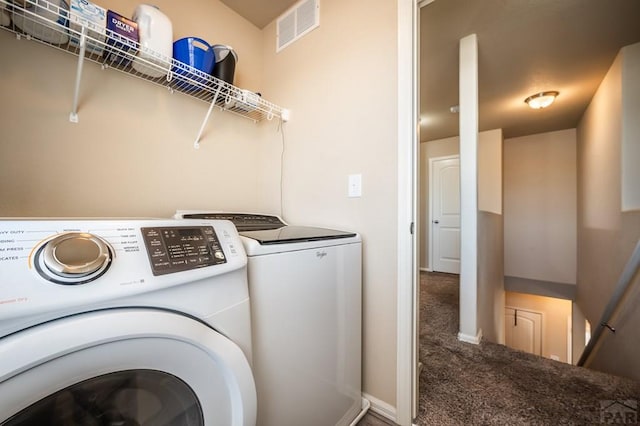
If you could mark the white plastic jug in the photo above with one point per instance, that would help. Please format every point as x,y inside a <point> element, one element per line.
<point>156,41</point>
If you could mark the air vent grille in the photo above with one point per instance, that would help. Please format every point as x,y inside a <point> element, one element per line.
<point>302,18</point>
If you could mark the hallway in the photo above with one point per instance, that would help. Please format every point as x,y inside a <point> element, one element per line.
<point>490,384</point>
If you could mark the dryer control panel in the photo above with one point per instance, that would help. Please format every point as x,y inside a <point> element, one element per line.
<point>176,249</point>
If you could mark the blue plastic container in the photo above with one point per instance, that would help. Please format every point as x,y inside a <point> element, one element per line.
<point>196,61</point>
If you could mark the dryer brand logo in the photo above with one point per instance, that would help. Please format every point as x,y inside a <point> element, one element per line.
<point>321,254</point>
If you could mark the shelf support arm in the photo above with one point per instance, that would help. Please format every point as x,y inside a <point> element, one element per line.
<point>196,144</point>
<point>73,117</point>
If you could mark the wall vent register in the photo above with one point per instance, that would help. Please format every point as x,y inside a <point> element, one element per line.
<point>302,18</point>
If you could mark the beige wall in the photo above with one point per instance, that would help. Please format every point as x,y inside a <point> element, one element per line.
<point>556,314</point>
<point>540,206</point>
<point>606,235</point>
<point>340,83</point>
<point>132,152</point>
<point>490,236</point>
<point>490,171</point>
<point>491,276</point>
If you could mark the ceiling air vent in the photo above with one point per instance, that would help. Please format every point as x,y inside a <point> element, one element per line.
<point>303,17</point>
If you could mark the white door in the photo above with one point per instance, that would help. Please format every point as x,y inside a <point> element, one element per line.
<point>444,198</point>
<point>523,330</point>
<point>123,366</point>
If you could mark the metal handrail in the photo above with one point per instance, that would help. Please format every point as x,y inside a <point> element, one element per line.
<point>630,270</point>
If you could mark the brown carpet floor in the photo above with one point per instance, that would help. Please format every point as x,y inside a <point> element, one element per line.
<point>490,384</point>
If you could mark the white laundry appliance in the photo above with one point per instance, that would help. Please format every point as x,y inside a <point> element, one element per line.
<point>124,322</point>
<point>305,287</point>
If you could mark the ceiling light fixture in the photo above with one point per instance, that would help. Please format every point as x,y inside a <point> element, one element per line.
<point>542,99</point>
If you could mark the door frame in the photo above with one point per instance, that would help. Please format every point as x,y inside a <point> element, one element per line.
<point>407,224</point>
<point>431,214</point>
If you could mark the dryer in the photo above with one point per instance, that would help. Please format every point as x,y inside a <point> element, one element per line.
<point>305,286</point>
<point>124,322</point>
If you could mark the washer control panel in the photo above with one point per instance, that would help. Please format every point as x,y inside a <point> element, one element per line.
<point>181,248</point>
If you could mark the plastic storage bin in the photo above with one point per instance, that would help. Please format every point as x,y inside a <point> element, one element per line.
<point>44,20</point>
<point>156,41</point>
<point>195,60</point>
<point>226,59</point>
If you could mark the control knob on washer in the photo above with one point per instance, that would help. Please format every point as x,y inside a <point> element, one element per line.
<point>73,258</point>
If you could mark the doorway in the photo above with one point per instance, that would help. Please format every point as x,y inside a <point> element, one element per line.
<point>444,214</point>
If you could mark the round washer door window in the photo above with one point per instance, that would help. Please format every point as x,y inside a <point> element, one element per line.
<point>126,398</point>
<point>124,367</point>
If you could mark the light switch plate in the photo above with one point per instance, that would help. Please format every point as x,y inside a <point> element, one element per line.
<point>355,186</point>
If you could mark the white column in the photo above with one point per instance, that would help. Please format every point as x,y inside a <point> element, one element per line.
<point>469,331</point>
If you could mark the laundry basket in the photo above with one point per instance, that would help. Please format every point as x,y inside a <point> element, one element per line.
<point>193,59</point>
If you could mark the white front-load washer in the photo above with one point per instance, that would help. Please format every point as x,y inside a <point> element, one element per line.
<point>124,322</point>
<point>305,287</point>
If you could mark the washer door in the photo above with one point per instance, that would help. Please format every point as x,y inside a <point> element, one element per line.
<point>124,367</point>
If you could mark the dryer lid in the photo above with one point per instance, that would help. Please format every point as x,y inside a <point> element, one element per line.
<point>242,221</point>
<point>295,234</point>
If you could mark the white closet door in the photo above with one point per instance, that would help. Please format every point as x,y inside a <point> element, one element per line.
<point>523,330</point>
<point>445,214</point>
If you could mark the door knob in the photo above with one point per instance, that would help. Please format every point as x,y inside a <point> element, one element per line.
<point>436,221</point>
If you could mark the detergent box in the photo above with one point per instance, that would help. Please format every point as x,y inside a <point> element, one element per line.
<point>122,39</point>
<point>83,13</point>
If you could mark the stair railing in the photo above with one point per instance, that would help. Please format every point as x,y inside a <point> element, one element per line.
<point>626,278</point>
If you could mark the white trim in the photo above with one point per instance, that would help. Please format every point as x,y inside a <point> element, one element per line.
<point>381,408</point>
<point>366,405</point>
<point>471,339</point>
<point>569,340</point>
<point>426,269</point>
<point>423,3</point>
<point>407,273</point>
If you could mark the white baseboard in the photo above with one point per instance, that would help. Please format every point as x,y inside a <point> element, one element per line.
<point>471,339</point>
<point>381,408</point>
<point>366,405</point>
<point>426,269</point>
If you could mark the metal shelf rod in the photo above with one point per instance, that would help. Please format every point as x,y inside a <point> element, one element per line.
<point>196,144</point>
<point>73,117</point>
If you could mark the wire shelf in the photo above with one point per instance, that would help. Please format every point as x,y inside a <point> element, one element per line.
<point>47,23</point>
